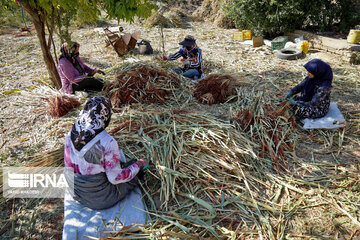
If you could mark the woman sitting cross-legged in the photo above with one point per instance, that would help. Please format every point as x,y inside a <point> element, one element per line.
<point>92,159</point>
<point>315,90</point>
<point>74,74</point>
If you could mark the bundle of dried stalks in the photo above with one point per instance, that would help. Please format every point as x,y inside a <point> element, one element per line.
<point>158,19</point>
<point>215,89</point>
<point>48,159</point>
<point>167,18</point>
<point>141,83</point>
<point>213,11</point>
<point>270,124</point>
<point>59,105</point>
<point>176,16</point>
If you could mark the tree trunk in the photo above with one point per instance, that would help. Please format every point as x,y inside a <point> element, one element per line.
<point>39,24</point>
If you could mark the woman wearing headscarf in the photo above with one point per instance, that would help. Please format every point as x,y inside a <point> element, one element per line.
<point>315,89</point>
<point>74,74</point>
<point>191,56</point>
<point>92,159</point>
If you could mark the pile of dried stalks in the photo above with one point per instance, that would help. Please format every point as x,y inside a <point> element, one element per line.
<point>193,157</point>
<point>176,17</point>
<point>59,105</point>
<point>158,19</point>
<point>212,11</point>
<point>270,125</point>
<point>167,18</point>
<point>215,88</point>
<point>141,83</point>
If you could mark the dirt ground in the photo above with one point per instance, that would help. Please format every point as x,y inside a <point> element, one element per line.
<point>27,129</point>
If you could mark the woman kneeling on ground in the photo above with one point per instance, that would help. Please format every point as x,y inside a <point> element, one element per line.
<point>74,74</point>
<point>192,57</point>
<point>92,159</point>
<point>315,89</point>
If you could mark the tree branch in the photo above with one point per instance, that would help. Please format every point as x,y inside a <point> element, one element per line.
<point>50,28</point>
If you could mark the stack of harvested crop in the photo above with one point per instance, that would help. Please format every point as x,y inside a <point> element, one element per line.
<point>176,17</point>
<point>213,11</point>
<point>271,125</point>
<point>215,88</point>
<point>158,19</point>
<point>141,83</point>
<point>60,105</point>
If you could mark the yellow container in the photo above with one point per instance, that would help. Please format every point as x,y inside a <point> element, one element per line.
<point>242,35</point>
<point>238,36</point>
<point>304,47</point>
<point>354,36</point>
<point>246,34</point>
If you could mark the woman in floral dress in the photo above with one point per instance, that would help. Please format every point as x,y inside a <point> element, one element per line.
<point>315,89</point>
<point>93,158</point>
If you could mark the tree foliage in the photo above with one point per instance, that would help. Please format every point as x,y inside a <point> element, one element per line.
<point>273,17</point>
<point>266,17</point>
<point>340,14</point>
<point>11,15</point>
<point>127,10</point>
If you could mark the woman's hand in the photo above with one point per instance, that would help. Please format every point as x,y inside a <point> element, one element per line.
<point>101,72</point>
<point>97,71</point>
<point>141,163</point>
<point>285,96</point>
<point>292,101</point>
<point>288,95</point>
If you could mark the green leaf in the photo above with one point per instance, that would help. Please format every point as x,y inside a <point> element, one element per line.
<point>202,203</point>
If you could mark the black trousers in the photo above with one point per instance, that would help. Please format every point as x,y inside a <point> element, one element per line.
<point>88,84</point>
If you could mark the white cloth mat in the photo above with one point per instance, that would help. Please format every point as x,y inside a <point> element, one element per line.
<point>332,120</point>
<point>81,221</point>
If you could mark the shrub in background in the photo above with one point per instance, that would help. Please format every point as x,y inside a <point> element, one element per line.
<point>267,17</point>
<point>338,15</point>
<point>274,17</point>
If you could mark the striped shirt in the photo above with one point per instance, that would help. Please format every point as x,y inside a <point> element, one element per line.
<point>194,56</point>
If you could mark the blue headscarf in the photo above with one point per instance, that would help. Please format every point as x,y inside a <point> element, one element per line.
<point>323,76</point>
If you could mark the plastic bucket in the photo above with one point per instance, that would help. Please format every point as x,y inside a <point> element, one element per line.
<point>304,47</point>
<point>354,36</point>
<point>246,34</point>
<point>242,35</point>
<point>238,36</point>
<point>142,49</point>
